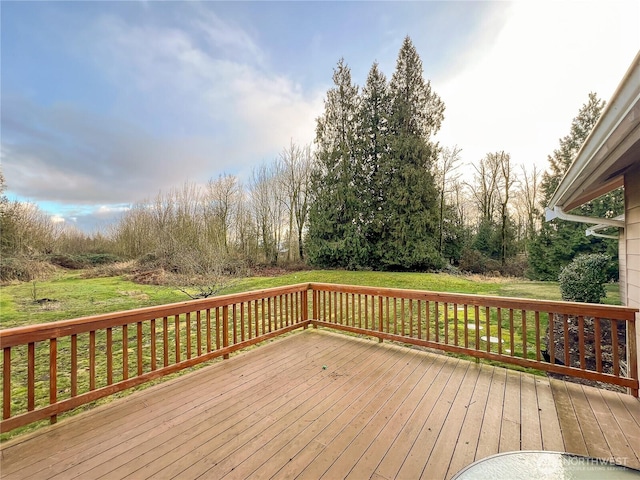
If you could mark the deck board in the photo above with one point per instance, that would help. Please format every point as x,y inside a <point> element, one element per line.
<point>377,411</point>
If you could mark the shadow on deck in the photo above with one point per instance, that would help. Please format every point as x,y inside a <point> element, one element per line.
<point>317,404</point>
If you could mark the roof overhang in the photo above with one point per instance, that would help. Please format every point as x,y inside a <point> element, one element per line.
<point>610,150</point>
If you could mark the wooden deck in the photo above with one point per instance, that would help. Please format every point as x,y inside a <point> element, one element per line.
<point>376,411</point>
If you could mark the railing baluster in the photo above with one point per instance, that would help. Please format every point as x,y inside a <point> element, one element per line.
<point>366,312</point>
<point>512,343</point>
<point>153,344</point>
<point>445,310</point>
<point>188,334</point>
<point>373,312</point>
<point>225,329</point>
<point>234,323</point>
<point>176,320</point>
<point>31,377</point>
<point>487,321</point>
<point>466,325</point>
<point>598,343</point>
<point>242,321</point>
<point>6,383</point>
<point>476,310</point>
<point>74,365</point>
<point>583,363</point>
<point>208,332</point>
<point>524,334</point>
<point>53,376</point>
<point>537,320</point>
<point>92,360</point>
<point>499,315</point>
<point>567,357</point>
<point>125,352</point>
<point>218,332</point>
<point>324,307</point>
<point>109,359</point>
<point>419,319</point>
<point>380,315</point>
<point>287,306</point>
<point>249,320</point>
<point>353,309</point>
<point>234,327</point>
<point>198,331</point>
<point>614,342</point>
<point>139,347</point>
<point>256,319</point>
<point>395,316</point>
<point>165,341</point>
<point>427,320</point>
<point>551,321</point>
<point>437,321</point>
<point>455,324</point>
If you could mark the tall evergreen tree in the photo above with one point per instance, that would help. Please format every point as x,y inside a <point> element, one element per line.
<point>335,237</point>
<point>559,241</point>
<point>375,107</point>
<point>410,214</point>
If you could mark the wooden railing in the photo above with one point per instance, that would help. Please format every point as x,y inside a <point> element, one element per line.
<point>587,341</point>
<point>51,368</point>
<point>48,369</point>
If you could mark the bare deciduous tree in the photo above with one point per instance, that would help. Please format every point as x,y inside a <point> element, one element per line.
<point>447,163</point>
<point>268,209</point>
<point>295,170</point>
<point>223,196</point>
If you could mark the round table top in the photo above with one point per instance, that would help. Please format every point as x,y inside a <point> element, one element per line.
<point>528,465</point>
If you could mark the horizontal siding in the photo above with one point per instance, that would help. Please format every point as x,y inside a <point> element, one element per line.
<point>633,229</point>
<point>632,234</point>
<point>632,217</point>
<point>622,260</point>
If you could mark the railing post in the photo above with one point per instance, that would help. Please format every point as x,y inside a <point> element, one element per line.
<point>380,318</point>
<point>225,329</point>
<point>314,305</point>
<point>304,309</point>
<point>632,354</point>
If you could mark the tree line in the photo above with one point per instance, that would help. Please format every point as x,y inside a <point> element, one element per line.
<point>374,191</point>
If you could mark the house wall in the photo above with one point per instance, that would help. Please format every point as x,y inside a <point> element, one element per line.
<point>632,243</point>
<point>622,261</point>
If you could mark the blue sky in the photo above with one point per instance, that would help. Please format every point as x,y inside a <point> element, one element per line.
<point>104,104</point>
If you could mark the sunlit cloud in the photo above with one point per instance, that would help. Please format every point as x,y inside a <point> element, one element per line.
<point>520,92</point>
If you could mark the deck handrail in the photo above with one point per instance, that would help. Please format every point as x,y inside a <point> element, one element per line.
<point>115,351</point>
<point>516,335</point>
<point>48,360</point>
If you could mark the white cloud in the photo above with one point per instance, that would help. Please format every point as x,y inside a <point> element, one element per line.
<point>181,111</point>
<point>520,93</point>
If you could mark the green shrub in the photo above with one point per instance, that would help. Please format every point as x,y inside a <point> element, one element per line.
<point>87,260</point>
<point>473,261</point>
<point>584,278</point>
